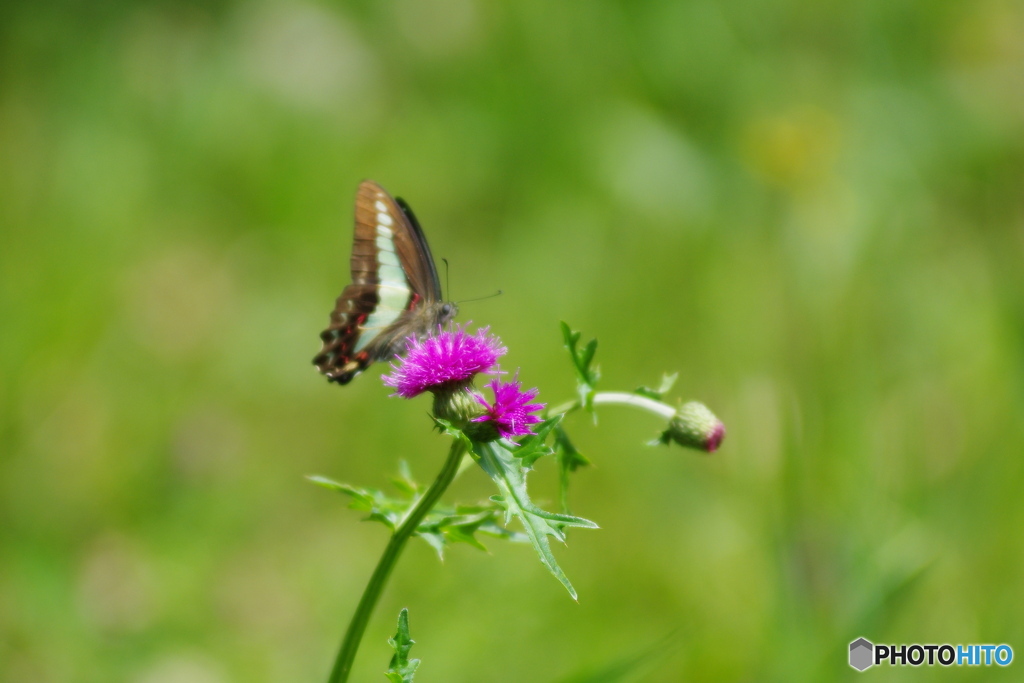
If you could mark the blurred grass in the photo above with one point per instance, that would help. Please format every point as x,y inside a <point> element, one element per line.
<point>811,211</point>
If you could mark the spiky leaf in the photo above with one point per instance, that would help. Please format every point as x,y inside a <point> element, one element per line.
<point>402,669</point>
<point>499,461</point>
<point>569,460</point>
<point>534,447</point>
<point>586,373</point>
<point>443,526</point>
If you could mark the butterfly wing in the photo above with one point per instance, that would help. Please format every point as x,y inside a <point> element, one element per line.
<point>395,290</point>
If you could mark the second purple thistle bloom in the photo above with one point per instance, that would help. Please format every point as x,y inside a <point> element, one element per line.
<point>510,414</point>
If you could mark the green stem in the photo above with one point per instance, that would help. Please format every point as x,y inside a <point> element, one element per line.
<point>623,398</point>
<point>620,398</point>
<point>563,409</point>
<point>405,530</point>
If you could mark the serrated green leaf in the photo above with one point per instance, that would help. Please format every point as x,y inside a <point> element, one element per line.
<point>381,508</point>
<point>462,535</point>
<point>588,354</point>
<point>508,473</point>
<point>569,336</point>
<point>402,669</point>
<point>569,460</point>
<point>581,359</point>
<point>443,526</point>
<point>534,446</point>
<point>587,374</point>
<point>434,540</point>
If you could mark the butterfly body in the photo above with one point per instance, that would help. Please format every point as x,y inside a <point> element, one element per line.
<point>395,291</point>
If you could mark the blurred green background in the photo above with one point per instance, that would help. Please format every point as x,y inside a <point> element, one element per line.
<point>813,211</point>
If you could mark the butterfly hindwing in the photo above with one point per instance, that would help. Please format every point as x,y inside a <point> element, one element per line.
<point>394,293</point>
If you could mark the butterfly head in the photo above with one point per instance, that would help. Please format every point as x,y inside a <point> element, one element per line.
<point>447,312</point>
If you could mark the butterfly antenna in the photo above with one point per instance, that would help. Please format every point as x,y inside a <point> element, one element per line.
<point>481,298</point>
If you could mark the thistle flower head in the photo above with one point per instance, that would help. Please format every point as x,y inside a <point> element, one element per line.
<point>444,362</point>
<point>510,414</point>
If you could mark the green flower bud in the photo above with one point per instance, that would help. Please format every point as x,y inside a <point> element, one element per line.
<point>457,405</point>
<point>694,426</point>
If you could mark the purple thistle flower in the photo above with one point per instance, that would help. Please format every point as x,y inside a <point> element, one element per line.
<point>443,361</point>
<point>510,412</point>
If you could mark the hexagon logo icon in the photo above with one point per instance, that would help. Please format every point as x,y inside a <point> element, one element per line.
<point>861,651</point>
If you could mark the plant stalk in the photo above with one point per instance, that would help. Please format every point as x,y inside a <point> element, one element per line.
<point>623,398</point>
<point>356,628</point>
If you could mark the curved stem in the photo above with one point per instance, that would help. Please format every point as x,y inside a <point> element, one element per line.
<point>563,409</point>
<point>620,398</point>
<point>636,400</point>
<point>405,530</point>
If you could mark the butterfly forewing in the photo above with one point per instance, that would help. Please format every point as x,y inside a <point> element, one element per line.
<point>394,292</point>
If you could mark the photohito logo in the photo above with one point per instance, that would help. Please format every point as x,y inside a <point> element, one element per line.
<point>865,654</point>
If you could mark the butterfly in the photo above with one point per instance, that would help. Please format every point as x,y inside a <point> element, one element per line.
<point>395,292</point>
